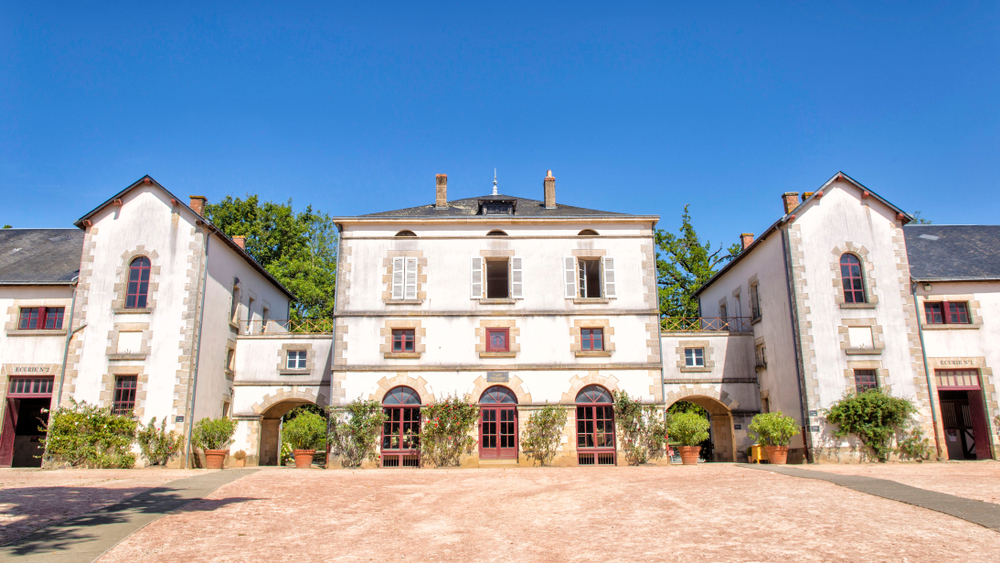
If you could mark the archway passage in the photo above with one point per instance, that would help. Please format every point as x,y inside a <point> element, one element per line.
<point>595,426</point>
<point>270,429</point>
<point>498,424</point>
<point>723,441</point>
<point>401,429</point>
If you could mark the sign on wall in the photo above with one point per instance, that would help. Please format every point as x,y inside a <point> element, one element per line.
<point>497,377</point>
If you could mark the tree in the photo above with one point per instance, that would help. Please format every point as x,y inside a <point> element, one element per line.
<point>918,220</point>
<point>684,264</point>
<point>8,227</point>
<point>298,249</point>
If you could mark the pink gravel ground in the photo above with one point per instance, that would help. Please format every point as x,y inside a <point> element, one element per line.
<point>978,480</point>
<point>711,512</point>
<point>32,498</point>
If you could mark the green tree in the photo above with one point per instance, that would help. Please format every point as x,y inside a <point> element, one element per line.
<point>8,227</point>
<point>683,265</point>
<point>298,249</point>
<point>918,220</point>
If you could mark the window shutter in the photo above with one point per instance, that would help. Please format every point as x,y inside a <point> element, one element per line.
<point>410,279</point>
<point>516,283</point>
<point>570,282</point>
<point>477,278</point>
<point>397,277</point>
<point>609,276</point>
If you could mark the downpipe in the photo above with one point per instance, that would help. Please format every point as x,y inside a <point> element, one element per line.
<point>197,352</point>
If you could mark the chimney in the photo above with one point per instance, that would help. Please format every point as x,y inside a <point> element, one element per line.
<point>550,190</point>
<point>241,241</point>
<point>198,204</point>
<point>791,201</point>
<point>441,201</point>
<point>746,239</point>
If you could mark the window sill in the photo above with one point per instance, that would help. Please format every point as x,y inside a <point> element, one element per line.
<point>38,332</point>
<point>701,369</point>
<point>858,305</point>
<point>120,357</point>
<point>402,355</point>
<point>294,372</point>
<point>755,320</point>
<point>496,301</point>
<point>591,300</point>
<point>497,354</point>
<point>404,301</point>
<point>235,326</point>
<point>864,351</point>
<point>956,326</point>
<point>593,353</point>
<point>124,311</point>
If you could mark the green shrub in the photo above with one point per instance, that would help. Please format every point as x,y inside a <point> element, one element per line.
<point>445,434</point>
<point>307,431</point>
<point>542,433</point>
<point>688,428</point>
<point>355,432</point>
<point>643,431</point>
<point>873,416</point>
<point>911,444</point>
<point>213,433</point>
<point>157,445</point>
<point>86,435</point>
<point>773,428</point>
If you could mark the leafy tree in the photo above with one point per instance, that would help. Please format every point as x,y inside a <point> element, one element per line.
<point>542,432</point>
<point>355,432</point>
<point>643,431</point>
<point>8,227</point>
<point>684,264</point>
<point>298,249</point>
<point>157,444</point>
<point>918,220</point>
<point>447,431</point>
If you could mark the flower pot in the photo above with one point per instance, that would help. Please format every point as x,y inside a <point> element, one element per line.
<point>689,454</point>
<point>303,458</point>
<point>777,455</point>
<point>215,459</point>
<point>240,462</point>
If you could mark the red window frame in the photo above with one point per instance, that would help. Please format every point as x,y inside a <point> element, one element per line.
<point>400,440</point>
<point>137,293</point>
<point>504,333</point>
<point>29,388</point>
<point>852,279</point>
<point>865,380</point>
<point>40,318</point>
<point>403,339</point>
<point>592,339</point>
<point>595,426</point>
<point>947,313</point>
<point>125,388</point>
<point>957,379</point>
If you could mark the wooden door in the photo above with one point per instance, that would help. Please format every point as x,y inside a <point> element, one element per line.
<point>498,432</point>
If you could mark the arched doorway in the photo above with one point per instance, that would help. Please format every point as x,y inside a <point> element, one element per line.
<point>498,424</point>
<point>595,426</point>
<point>270,429</point>
<point>401,429</point>
<point>723,444</point>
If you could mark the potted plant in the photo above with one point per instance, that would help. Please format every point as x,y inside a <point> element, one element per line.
<point>690,429</point>
<point>305,433</point>
<point>774,430</point>
<point>213,436</point>
<point>241,458</point>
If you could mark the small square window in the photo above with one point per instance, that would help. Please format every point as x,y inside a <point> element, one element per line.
<point>296,359</point>
<point>402,340</point>
<point>865,380</point>
<point>497,340</point>
<point>591,339</point>
<point>694,357</point>
<point>958,313</point>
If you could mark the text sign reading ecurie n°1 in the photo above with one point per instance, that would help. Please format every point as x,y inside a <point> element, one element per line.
<point>497,377</point>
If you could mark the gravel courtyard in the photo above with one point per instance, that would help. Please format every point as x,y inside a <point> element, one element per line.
<point>711,512</point>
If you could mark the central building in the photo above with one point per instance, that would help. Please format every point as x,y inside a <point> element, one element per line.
<point>510,303</point>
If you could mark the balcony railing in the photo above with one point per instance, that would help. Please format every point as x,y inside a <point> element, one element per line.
<point>288,326</point>
<point>705,324</point>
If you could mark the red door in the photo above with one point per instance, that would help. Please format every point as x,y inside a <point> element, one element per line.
<point>7,433</point>
<point>497,432</point>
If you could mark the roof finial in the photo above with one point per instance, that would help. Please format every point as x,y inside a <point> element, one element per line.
<point>494,181</point>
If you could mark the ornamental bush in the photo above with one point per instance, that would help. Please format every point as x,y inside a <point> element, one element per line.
<point>307,431</point>
<point>773,428</point>
<point>688,428</point>
<point>873,416</point>
<point>445,435</point>
<point>643,431</point>
<point>912,444</point>
<point>355,431</point>
<point>88,436</point>
<point>542,433</point>
<point>157,445</point>
<point>213,433</point>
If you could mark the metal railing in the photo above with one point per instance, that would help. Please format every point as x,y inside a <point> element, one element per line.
<point>287,326</point>
<point>705,324</point>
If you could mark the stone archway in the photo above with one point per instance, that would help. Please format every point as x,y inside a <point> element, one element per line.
<point>723,435</point>
<point>271,408</point>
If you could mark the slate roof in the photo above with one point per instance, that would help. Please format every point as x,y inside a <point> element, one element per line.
<point>953,252</point>
<point>469,207</point>
<point>40,256</point>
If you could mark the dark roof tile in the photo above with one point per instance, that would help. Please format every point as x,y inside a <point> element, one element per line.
<point>40,256</point>
<point>953,252</point>
<point>469,207</point>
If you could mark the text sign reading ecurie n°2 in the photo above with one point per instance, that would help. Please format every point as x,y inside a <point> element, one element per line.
<point>497,377</point>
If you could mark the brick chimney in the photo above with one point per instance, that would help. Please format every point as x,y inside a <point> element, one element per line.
<point>441,201</point>
<point>791,201</point>
<point>241,241</point>
<point>550,190</point>
<point>198,204</point>
<point>746,239</point>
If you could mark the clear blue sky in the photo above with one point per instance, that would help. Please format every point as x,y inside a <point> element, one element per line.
<point>639,107</point>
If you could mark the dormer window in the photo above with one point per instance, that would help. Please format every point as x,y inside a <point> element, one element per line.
<point>496,234</point>
<point>406,234</point>
<point>496,207</point>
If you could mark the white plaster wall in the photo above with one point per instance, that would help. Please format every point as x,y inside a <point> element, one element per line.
<point>46,349</point>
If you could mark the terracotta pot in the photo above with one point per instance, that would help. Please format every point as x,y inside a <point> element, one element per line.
<point>777,455</point>
<point>215,459</point>
<point>240,462</point>
<point>689,454</point>
<point>303,458</point>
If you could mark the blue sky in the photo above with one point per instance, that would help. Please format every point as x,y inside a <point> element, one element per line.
<point>636,107</point>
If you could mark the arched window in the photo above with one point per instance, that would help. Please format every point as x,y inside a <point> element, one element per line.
<point>587,233</point>
<point>138,284</point>
<point>401,429</point>
<point>406,234</point>
<point>496,233</point>
<point>498,424</point>
<point>850,274</point>
<point>595,426</point>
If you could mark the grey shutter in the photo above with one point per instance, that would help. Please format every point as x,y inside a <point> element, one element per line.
<point>397,277</point>
<point>410,279</point>
<point>570,282</point>
<point>516,281</point>
<point>608,264</point>
<point>477,278</point>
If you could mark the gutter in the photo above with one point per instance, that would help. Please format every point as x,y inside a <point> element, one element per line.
<point>927,373</point>
<point>69,337</point>
<point>197,352</point>
<point>796,340</point>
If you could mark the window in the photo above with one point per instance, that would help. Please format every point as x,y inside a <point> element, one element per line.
<point>850,275</point>
<point>497,340</point>
<point>138,284</point>
<point>865,380</point>
<point>40,318</point>
<point>694,357</point>
<point>234,307</point>
<point>404,277</point>
<point>402,339</point>
<point>754,302</point>
<point>497,280</point>
<point>265,314</point>
<point>957,379</point>
<point>591,339</point>
<point>503,277</point>
<point>406,234</point>
<point>498,424</point>
<point>595,426</point>
<point>496,233</point>
<point>761,356</point>
<point>124,401</point>
<point>587,233</point>
<point>724,315</point>
<point>401,429</point>
<point>230,359</point>
<point>29,387</point>
<point>296,359</point>
<point>590,278</point>
<point>946,312</point>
